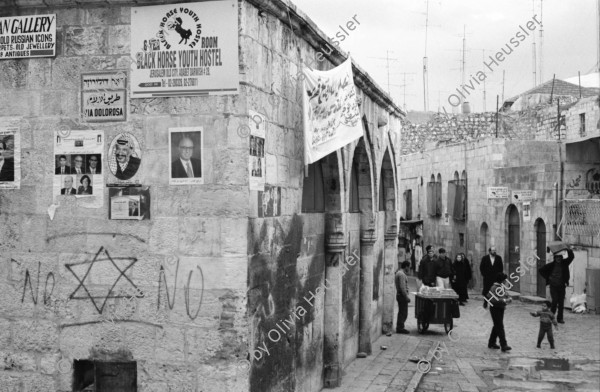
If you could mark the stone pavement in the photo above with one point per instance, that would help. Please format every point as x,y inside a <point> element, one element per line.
<point>386,370</point>
<point>469,366</point>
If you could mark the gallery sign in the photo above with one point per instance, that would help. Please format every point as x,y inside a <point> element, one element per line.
<point>104,96</point>
<point>28,36</point>
<point>497,192</point>
<point>185,49</point>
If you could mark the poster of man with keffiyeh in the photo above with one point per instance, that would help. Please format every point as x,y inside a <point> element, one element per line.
<point>331,112</point>
<point>125,156</point>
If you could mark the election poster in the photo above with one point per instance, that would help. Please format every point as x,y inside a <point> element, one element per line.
<point>330,110</point>
<point>257,164</point>
<point>124,159</point>
<point>78,160</point>
<point>10,153</point>
<point>28,36</point>
<point>184,49</point>
<point>129,203</point>
<point>104,96</point>
<point>185,156</point>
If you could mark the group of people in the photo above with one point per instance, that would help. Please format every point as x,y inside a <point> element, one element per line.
<point>433,270</point>
<point>439,270</point>
<point>557,277</point>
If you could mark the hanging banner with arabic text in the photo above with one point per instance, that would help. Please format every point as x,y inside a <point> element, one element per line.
<point>184,49</point>
<point>331,113</point>
<point>28,36</point>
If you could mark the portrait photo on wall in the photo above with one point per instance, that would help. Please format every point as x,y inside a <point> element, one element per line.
<point>7,161</point>
<point>130,203</point>
<point>124,156</point>
<point>185,156</point>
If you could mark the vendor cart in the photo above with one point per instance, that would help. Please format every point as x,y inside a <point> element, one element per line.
<point>435,310</point>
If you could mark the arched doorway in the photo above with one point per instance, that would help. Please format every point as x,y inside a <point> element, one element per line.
<point>513,242</point>
<point>540,247</point>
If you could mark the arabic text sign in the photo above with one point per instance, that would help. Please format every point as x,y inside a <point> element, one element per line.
<point>518,196</point>
<point>28,36</point>
<point>185,49</point>
<point>104,97</point>
<point>497,192</point>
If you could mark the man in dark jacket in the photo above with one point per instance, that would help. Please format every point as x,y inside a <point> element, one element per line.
<point>491,265</point>
<point>427,267</point>
<point>443,269</point>
<point>557,276</point>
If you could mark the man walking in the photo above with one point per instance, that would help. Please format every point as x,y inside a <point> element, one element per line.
<point>402,296</point>
<point>427,268</point>
<point>498,298</point>
<point>490,267</point>
<point>557,276</point>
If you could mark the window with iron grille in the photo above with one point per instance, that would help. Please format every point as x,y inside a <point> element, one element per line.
<point>582,124</point>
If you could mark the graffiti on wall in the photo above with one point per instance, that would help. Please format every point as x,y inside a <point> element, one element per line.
<point>84,290</point>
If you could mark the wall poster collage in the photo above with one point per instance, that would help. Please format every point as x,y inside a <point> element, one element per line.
<point>78,159</point>
<point>257,164</point>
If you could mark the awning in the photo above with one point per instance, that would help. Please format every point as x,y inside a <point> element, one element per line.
<point>411,222</point>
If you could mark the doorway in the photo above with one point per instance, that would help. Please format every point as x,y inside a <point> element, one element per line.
<point>514,244</point>
<point>540,247</point>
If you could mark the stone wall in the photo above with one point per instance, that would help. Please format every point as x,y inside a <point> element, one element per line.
<point>536,123</point>
<point>189,260</point>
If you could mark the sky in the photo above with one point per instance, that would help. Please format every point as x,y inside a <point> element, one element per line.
<point>396,29</point>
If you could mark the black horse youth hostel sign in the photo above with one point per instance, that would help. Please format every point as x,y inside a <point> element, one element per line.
<point>28,36</point>
<point>184,49</point>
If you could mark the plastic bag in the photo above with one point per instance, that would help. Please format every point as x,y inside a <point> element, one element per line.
<point>578,303</point>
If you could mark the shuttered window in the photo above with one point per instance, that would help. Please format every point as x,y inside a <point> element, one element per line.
<point>434,198</point>
<point>408,204</point>
<point>457,200</point>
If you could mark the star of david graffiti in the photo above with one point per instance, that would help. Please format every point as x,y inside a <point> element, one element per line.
<point>99,305</point>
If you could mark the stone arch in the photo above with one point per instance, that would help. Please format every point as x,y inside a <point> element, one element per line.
<point>456,177</point>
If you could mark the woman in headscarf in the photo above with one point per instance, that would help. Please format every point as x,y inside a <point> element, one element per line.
<point>462,276</point>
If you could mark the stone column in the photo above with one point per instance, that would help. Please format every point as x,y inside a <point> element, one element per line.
<point>333,355</point>
<point>367,240</point>
<point>389,287</point>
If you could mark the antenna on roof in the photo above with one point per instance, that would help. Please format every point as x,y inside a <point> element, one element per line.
<point>425,76</point>
<point>541,40</point>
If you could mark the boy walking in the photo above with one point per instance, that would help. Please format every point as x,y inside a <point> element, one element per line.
<point>402,296</point>
<point>546,320</point>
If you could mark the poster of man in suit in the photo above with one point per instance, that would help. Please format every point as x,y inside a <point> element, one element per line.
<point>185,156</point>
<point>10,153</point>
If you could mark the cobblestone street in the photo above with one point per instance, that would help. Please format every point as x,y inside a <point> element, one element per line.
<point>470,366</point>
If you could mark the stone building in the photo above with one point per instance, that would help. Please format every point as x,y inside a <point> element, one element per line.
<point>223,288</point>
<point>535,182</point>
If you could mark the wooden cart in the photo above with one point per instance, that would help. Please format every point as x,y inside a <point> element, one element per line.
<point>435,310</point>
